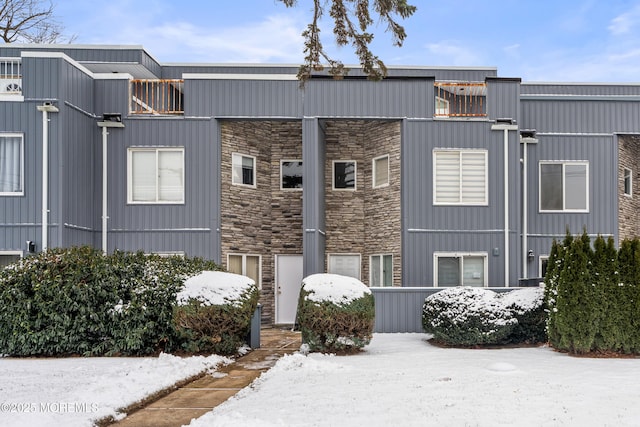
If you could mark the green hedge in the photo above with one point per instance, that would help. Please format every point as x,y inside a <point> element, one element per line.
<point>342,320</point>
<point>220,326</point>
<point>592,295</point>
<point>469,316</point>
<point>77,301</point>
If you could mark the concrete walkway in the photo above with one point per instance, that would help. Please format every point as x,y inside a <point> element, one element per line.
<point>202,395</point>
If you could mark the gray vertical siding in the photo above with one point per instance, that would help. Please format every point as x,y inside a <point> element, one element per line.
<point>243,98</point>
<point>399,310</point>
<point>74,166</point>
<point>20,216</point>
<point>428,228</point>
<point>190,227</point>
<point>362,98</point>
<point>313,200</point>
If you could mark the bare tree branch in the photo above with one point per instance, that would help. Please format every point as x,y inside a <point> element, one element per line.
<point>30,21</point>
<point>351,19</point>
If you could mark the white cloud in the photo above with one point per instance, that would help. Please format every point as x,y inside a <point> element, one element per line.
<point>452,53</point>
<point>624,23</point>
<point>275,39</point>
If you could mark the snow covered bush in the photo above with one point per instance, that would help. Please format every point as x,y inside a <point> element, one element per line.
<point>476,316</point>
<point>335,313</point>
<point>78,301</point>
<point>214,312</point>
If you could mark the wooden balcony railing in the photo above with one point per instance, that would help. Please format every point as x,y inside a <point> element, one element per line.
<point>10,76</point>
<point>460,99</point>
<point>157,96</point>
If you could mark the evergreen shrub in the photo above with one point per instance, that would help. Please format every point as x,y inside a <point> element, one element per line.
<point>77,301</point>
<point>214,312</point>
<point>468,316</point>
<point>592,296</point>
<point>335,313</point>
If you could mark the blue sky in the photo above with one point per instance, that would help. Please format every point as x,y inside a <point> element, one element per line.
<point>542,40</point>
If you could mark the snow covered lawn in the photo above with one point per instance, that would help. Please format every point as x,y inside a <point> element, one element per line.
<point>402,380</point>
<point>74,391</point>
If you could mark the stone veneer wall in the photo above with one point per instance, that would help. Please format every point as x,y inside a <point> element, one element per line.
<point>365,221</point>
<point>265,220</point>
<point>629,157</point>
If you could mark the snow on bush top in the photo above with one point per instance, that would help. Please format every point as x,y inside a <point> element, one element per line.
<point>523,300</point>
<point>464,301</point>
<point>215,288</point>
<point>334,288</point>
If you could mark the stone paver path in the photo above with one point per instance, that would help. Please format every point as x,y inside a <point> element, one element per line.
<point>202,395</point>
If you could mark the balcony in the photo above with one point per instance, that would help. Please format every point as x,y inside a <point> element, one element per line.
<point>460,99</point>
<point>10,76</point>
<point>157,96</point>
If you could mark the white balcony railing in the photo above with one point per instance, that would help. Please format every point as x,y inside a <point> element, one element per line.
<point>10,76</point>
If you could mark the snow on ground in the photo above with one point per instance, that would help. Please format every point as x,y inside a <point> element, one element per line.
<point>401,379</point>
<point>74,391</point>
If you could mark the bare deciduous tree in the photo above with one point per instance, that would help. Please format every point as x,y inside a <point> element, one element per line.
<point>30,21</point>
<point>351,20</point>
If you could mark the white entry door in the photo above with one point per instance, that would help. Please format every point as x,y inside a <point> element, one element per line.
<point>288,283</point>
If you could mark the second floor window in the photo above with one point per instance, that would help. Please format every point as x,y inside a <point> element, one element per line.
<point>291,174</point>
<point>344,175</point>
<point>564,187</point>
<point>156,175</point>
<point>243,170</point>
<point>628,182</point>
<point>460,177</point>
<point>381,171</point>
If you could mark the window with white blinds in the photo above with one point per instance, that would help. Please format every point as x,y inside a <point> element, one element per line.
<point>460,177</point>
<point>156,175</point>
<point>381,171</point>
<point>246,265</point>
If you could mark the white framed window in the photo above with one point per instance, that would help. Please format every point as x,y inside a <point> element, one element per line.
<point>380,168</point>
<point>543,261</point>
<point>11,164</point>
<point>9,257</point>
<point>564,187</point>
<point>247,265</point>
<point>442,107</point>
<point>155,175</point>
<point>291,174</point>
<point>243,170</point>
<point>460,177</point>
<point>460,269</point>
<point>344,264</point>
<point>628,182</point>
<point>381,270</point>
<point>344,174</point>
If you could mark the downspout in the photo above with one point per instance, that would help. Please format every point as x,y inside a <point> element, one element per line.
<point>46,108</point>
<point>506,125</point>
<point>111,120</point>
<point>526,137</point>
<point>104,189</point>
